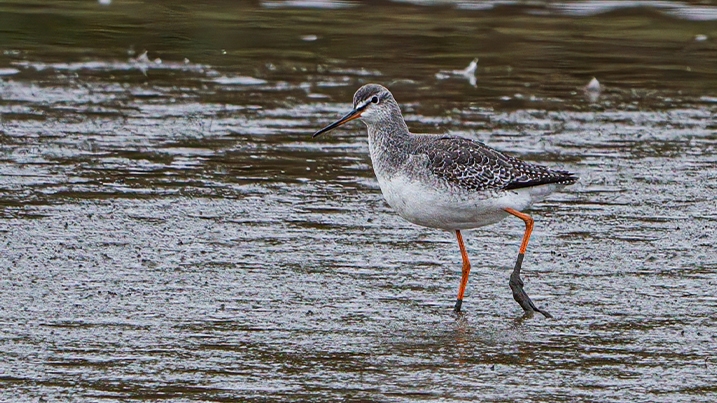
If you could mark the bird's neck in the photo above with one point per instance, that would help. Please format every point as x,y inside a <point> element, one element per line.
<point>388,143</point>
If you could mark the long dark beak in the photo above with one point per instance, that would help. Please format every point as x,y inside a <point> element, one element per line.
<point>354,114</point>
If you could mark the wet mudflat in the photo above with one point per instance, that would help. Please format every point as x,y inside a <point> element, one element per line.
<point>170,230</point>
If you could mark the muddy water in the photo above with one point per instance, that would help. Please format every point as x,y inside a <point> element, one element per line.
<point>170,230</point>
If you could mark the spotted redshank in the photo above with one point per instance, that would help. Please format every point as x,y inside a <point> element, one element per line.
<point>449,182</point>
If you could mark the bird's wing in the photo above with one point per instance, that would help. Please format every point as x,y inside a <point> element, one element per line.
<point>472,165</point>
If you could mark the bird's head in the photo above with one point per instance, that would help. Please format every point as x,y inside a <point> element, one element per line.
<point>372,103</point>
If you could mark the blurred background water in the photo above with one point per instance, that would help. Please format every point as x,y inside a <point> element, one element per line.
<point>169,230</point>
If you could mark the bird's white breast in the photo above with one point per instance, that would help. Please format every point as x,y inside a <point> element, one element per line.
<point>452,208</point>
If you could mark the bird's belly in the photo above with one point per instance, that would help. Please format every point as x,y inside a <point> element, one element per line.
<point>450,208</point>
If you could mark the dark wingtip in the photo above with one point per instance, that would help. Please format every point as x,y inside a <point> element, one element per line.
<point>558,177</point>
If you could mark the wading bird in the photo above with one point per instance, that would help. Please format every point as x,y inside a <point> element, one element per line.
<point>449,182</point>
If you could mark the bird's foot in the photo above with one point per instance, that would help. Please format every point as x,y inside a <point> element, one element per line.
<point>457,308</point>
<point>522,298</point>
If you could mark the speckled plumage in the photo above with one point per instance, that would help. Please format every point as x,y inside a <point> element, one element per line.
<point>473,166</point>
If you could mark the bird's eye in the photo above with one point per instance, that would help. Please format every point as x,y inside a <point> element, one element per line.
<point>374,99</point>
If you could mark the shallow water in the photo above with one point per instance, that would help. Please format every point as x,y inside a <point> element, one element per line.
<point>170,230</point>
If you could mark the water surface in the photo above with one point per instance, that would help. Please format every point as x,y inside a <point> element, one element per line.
<point>170,230</point>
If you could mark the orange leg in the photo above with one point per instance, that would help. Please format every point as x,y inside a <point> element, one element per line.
<point>466,272</point>
<point>516,284</point>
